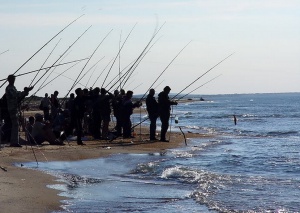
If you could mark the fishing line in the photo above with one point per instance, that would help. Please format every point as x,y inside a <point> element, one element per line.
<point>198,87</point>
<point>165,69</point>
<point>201,76</point>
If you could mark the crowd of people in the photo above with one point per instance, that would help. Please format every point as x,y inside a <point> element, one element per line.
<point>87,112</point>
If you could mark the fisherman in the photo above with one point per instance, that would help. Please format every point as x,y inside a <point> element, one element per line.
<point>127,110</point>
<point>14,97</point>
<point>164,106</point>
<point>104,107</point>
<point>54,105</point>
<point>96,116</point>
<point>152,108</point>
<point>45,106</point>
<point>41,131</point>
<point>116,105</point>
<point>78,114</point>
<point>70,103</point>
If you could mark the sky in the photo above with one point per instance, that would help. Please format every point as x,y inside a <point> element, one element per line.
<point>263,37</point>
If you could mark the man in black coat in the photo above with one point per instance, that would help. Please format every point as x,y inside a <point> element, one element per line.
<point>78,113</point>
<point>164,106</point>
<point>127,110</point>
<point>152,108</point>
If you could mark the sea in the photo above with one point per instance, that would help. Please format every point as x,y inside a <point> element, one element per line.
<point>252,165</point>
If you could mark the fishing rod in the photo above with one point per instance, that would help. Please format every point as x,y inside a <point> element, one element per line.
<point>91,76</point>
<point>89,70</point>
<point>75,83</point>
<point>129,70</point>
<point>117,76</point>
<point>45,68</point>
<point>118,54</point>
<point>142,53</point>
<point>52,72</point>
<point>60,74</point>
<point>136,65</point>
<point>159,84</point>
<point>198,87</point>
<point>102,72</point>
<point>120,57</point>
<point>137,61</point>
<point>43,47</point>
<point>63,54</point>
<point>39,88</point>
<point>93,71</point>
<point>165,69</point>
<point>201,76</point>
<point>137,86</point>
<point>4,52</point>
<point>44,63</point>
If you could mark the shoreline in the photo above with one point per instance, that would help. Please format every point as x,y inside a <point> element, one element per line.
<point>25,190</point>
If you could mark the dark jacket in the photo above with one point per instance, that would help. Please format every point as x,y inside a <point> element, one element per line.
<point>152,105</point>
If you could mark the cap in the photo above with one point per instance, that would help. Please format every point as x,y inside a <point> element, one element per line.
<point>167,88</point>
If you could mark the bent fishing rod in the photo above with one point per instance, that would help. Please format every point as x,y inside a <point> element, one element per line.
<point>46,68</point>
<point>201,76</point>
<point>43,47</point>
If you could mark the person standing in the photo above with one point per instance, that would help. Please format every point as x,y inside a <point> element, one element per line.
<point>105,110</point>
<point>152,108</point>
<point>14,97</point>
<point>45,106</point>
<point>117,105</point>
<point>54,105</point>
<point>78,114</point>
<point>127,110</point>
<point>164,106</point>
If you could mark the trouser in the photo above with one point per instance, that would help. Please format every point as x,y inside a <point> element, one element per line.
<point>14,137</point>
<point>79,129</point>
<point>96,125</point>
<point>153,119</point>
<point>164,118</point>
<point>46,114</point>
<point>126,127</point>
<point>118,125</point>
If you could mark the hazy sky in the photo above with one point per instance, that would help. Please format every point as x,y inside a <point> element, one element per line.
<point>264,36</point>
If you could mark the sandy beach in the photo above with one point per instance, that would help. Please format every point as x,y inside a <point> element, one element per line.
<point>24,190</point>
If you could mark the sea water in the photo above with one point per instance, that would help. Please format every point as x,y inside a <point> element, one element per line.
<point>253,166</point>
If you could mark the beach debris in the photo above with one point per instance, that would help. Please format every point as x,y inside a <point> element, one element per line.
<point>3,168</point>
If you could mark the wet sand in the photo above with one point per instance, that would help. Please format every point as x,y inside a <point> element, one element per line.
<point>24,190</point>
